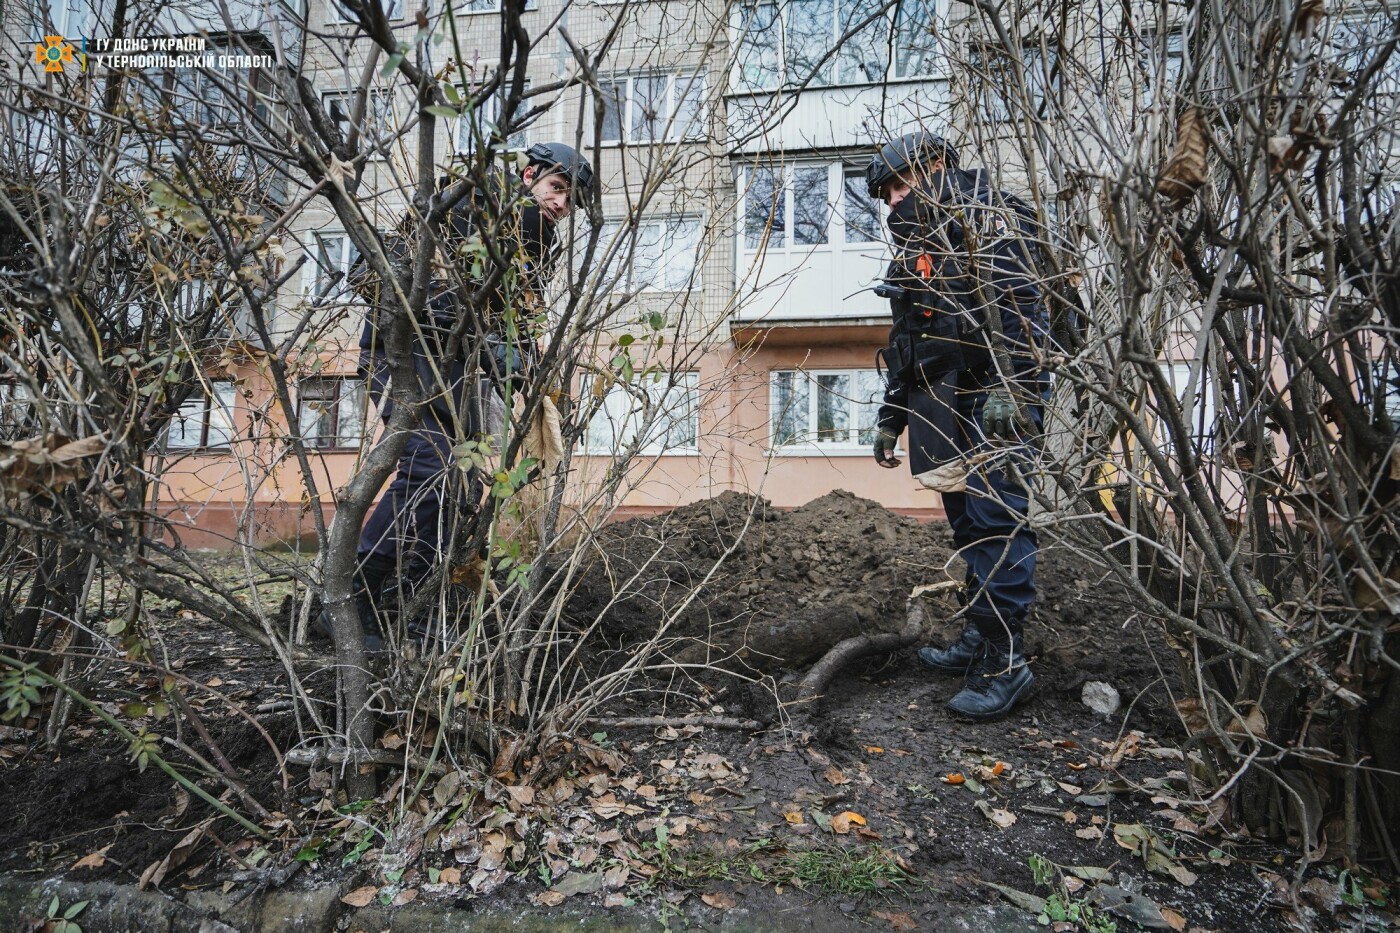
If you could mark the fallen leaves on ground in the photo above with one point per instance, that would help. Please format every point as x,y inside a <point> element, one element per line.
<point>93,859</point>
<point>842,822</point>
<point>897,921</point>
<point>360,897</point>
<point>1002,819</point>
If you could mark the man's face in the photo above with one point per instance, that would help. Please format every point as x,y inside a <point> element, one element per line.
<point>903,184</point>
<point>551,192</point>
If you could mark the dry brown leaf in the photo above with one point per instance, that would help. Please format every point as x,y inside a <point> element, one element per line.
<point>718,901</point>
<point>1174,920</point>
<point>155,873</point>
<point>833,775</point>
<point>874,750</point>
<point>794,817</point>
<point>1089,832</point>
<point>1074,789</point>
<point>360,897</point>
<point>93,859</point>
<point>405,896</point>
<point>954,778</point>
<point>1070,817</point>
<point>548,898</point>
<point>1185,171</point>
<point>900,922</point>
<point>841,823</point>
<point>1253,724</point>
<point>450,876</point>
<point>1002,819</point>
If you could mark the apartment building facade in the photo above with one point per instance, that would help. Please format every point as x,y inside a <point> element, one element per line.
<point>731,150</point>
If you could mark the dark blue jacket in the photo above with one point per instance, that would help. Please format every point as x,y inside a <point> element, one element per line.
<point>963,250</point>
<point>530,240</point>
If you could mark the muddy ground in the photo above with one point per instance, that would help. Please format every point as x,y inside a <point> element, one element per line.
<point>878,809</point>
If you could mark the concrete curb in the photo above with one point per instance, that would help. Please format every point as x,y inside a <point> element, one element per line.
<point>116,908</point>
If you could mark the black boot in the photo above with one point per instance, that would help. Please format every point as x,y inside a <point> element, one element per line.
<point>957,657</point>
<point>998,680</point>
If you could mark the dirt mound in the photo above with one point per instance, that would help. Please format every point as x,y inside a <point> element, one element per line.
<point>783,586</point>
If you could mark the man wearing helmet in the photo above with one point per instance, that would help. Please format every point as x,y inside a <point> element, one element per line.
<point>962,374</point>
<point>402,540</point>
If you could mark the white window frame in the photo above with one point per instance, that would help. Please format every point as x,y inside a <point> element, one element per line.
<point>312,276</point>
<point>378,125</point>
<point>1167,48</point>
<point>16,401</point>
<point>349,398</point>
<point>71,18</point>
<point>622,420</point>
<point>1042,81</point>
<point>824,77</point>
<point>479,7</point>
<point>662,233</point>
<point>1193,410</point>
<point>336,15</point>
<point>809,442</point>
<point>836,220</point>
<point>487,116</point>
<point>692,86</point>
<point>213,414</point>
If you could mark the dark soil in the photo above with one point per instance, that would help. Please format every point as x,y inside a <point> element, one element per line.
<point>879,745</point>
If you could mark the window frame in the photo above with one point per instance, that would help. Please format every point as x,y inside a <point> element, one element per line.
<point>1041,93</point>
<point>489,112</point>
<point>676,82</point>
<point>781,30</point>
<point>810,443</point>
<point>688,381</point>
<point>206,400</point>
<point>311,277</point>
<point>837,222</point>
<point>622,272</point>
<point>1202,424</point>
<point>375,150</point>
<point>340,441</point>
<point>336,16</point>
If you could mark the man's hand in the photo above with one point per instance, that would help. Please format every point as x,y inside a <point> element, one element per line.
<point>1000,417</point>
<point>884,448</point>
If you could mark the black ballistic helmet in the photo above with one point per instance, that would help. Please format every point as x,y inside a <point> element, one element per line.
<point>898,155</point>
<point>557,157</point>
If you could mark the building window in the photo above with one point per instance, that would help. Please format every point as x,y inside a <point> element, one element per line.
<point>997,87</point>
<point>465,7</point>
<point>1197,406</point>
<point>338,13</point>
<point>1163,59</point>
<point>334,255</point>
<point>199,99</point>
<point>1355,41</point>
<point>331,412</point>
<point>655,255</point>
<point>484,122</point>
<point>378,126</point>
<point>789,43</point>
<point>16,402</point>
<point>659,413</point>
<point>71,18</point>
<point>203,421</point>
<point>832,409</point>
<point>643,109</point>
<point>806,205</point>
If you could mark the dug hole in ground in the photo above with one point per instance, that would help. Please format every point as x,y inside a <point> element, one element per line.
<point>872,807</point>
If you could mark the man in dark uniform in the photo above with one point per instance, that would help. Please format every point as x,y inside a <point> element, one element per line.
<point>402,540</point>
<point>962,373</point>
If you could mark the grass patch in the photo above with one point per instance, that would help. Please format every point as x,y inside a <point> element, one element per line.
<point>850,872</point>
